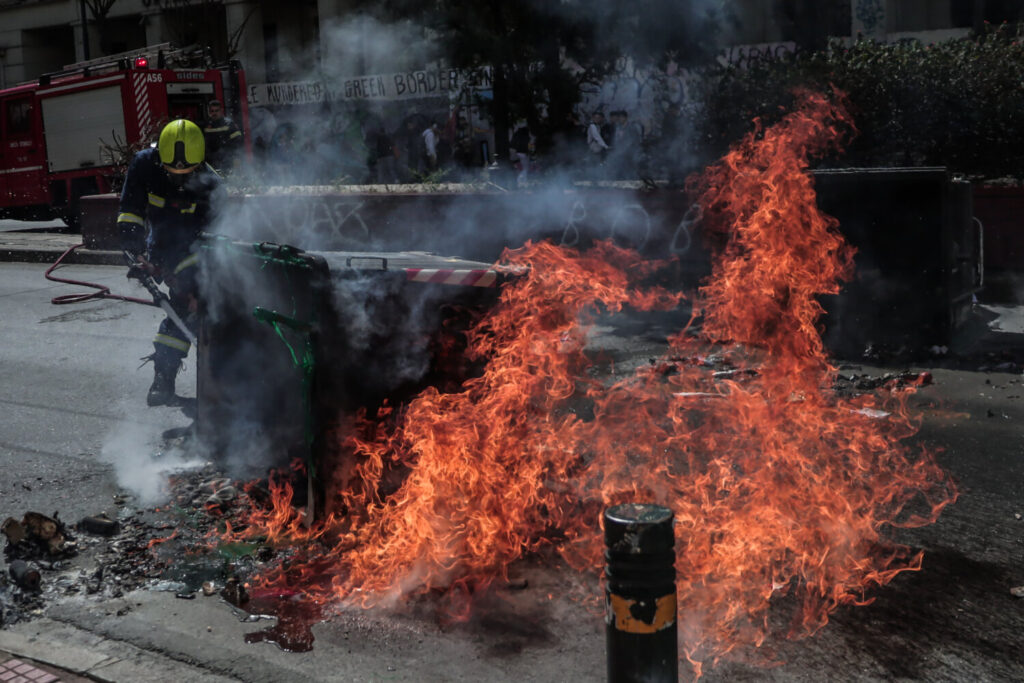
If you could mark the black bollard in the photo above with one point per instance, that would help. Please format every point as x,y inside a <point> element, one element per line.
<point>640,594</point>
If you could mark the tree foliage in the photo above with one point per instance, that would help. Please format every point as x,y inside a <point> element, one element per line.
<point>99,9</point>
<point>958,103</point>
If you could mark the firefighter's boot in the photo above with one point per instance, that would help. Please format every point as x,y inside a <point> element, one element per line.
<point>161,392</point>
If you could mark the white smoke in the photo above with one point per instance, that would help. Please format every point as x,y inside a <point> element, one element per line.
<point>392,350</point>
<point>141,458</point>
<point>359,45</point>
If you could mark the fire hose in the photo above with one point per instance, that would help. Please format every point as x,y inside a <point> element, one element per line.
<point>102,293</point>
<point>160,299</point>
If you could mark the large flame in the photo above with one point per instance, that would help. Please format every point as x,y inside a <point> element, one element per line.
<point>779,487</point>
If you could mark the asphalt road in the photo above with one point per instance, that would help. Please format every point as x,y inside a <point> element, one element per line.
<point>9,225</point>
<point>75,421</point>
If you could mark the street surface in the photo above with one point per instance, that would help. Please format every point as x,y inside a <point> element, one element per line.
<point>9,225</point>
<point>76,438</point>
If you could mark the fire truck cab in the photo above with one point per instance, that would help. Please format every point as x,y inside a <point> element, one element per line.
<point>69,133</point>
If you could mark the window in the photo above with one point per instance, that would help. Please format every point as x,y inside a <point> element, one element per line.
<point>19,117</point>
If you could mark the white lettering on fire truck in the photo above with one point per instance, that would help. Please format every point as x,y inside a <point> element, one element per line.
<point>20,170</point>
<point>155,77</point>
<point>190,75</point>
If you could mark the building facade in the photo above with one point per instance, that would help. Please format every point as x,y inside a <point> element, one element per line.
<point>317,71</point>
<point>288,41</point>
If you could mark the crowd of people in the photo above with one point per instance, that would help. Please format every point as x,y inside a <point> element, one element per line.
<point>364,150</point>
<point>447,148</point>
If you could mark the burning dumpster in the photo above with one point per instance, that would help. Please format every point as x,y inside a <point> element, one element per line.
<point>918,261</point>
<point>291,339</point>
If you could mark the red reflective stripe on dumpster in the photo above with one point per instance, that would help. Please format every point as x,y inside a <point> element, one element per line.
<point>449,276</point>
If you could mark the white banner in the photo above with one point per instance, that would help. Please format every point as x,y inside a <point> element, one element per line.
<point>299,92</point>
<point>395,86</point>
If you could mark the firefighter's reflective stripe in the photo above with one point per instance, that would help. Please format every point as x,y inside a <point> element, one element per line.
<point>236,134</point>
<point>218,129</point>
<point>160,202</point>
<point>173,342</point>
<point>186,262</point>
<point>130,218</point>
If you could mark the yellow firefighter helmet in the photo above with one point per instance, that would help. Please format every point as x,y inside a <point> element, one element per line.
<point>182,146</point>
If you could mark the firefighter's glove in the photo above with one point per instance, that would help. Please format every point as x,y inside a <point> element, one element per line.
<point>142,269</point>
<point>133,237</point>
<point>137,271</point>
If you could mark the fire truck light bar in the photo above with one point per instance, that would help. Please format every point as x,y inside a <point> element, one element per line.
<point>141,62</point>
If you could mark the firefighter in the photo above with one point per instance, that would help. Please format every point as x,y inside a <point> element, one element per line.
<point>171,190</point>
<point>223,138</point>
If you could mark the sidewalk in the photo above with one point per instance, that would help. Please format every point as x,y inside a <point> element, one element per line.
<point>40,246</point>
<point>49,651</point>
<point>25,670</point>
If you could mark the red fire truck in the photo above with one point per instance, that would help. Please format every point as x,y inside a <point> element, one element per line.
<point>59,134</point>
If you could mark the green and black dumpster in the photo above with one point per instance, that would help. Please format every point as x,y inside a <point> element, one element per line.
<point>291,340</point>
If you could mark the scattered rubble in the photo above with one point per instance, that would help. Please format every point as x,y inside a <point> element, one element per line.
<point>100,525</point>
<point>34,543</point>
<point>37,536</point>
<point>25,575</point>
<point>165,548</point>
<point>849,383</point>
<point>235,592</point>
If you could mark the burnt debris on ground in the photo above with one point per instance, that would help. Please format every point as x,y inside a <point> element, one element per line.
<point>111,554</point>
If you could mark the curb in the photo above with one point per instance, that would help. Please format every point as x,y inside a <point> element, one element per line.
<point>94,657</point>
<point>81,256</point>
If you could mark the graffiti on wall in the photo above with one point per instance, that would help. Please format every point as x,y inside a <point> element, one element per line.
<point>869,17</point>
<point>663,228</point>
<point>647,92</point>
<point>309,222</point>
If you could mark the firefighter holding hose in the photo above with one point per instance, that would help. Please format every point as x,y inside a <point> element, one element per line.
<point>170,196</point>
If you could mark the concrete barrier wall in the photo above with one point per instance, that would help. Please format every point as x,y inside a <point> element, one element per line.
<point>911,228</point>
<point>478,225</point>
<point>475,225</point>
<point>472,225</point>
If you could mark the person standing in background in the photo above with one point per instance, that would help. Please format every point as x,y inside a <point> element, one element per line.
<point>520,152</point>
<point>431,137</point>
<point>595,139</point>
<point>224,140</point>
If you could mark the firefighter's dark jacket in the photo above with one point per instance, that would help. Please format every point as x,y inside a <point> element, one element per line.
<point>176,215</point>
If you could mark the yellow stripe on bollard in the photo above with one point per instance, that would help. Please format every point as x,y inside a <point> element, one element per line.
<point>621,610</point>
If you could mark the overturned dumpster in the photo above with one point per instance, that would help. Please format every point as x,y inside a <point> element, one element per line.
<point>290,340</point>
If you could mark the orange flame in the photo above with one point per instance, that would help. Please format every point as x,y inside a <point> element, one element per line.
<point>154,542</point>
<point>779,487</point>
